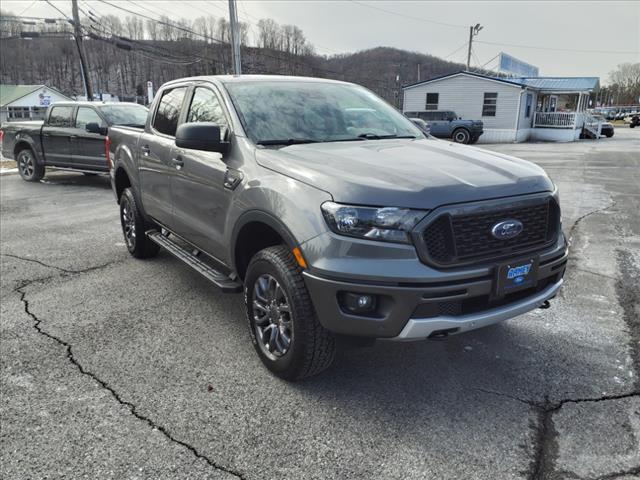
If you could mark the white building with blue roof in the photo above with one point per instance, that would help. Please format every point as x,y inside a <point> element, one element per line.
<point>512,109</point>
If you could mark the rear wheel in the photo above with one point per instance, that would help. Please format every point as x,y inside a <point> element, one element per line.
<point>28,167</point>
<point>134,228</point>
<point>283,325</point>
<point>461,136</point>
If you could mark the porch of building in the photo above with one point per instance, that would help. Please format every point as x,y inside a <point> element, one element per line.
<point>564,117</point>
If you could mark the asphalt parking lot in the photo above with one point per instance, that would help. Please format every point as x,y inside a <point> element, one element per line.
<point>118,368</point>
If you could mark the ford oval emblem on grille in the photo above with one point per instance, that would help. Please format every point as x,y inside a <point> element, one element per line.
<point>507,229</point>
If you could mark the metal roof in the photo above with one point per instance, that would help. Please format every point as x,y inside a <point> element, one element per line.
<point>11,93</point>
<point>560,83</point>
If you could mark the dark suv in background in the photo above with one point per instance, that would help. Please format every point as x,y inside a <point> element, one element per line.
<point>446,124</point>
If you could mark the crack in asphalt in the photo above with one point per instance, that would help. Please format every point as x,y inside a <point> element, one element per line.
<point>103,384</point>
<point>60,269</point>
<point>588,214</point>
<point>545,447</point>
<point>623,473</point>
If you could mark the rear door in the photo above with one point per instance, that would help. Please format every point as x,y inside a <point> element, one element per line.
<point>156,147</point>
<point>55,136</point>
<point>200,199</point>
<point>439,124</point>
<point>87,149</point>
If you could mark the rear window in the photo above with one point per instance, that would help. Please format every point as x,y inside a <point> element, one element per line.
<point>60,116</point>
<point>168,113</point>
<point>127,115</point>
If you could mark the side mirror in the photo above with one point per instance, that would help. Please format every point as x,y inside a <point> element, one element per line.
<point>95,128</point>
<point>201,136</point>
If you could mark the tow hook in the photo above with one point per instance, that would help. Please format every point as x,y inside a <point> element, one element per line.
<point>545,305</point>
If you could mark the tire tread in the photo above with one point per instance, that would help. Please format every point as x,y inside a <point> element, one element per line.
<point>320,349</point>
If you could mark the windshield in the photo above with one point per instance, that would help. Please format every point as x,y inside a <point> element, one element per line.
<point>287,112</point>
<point>129,115</point>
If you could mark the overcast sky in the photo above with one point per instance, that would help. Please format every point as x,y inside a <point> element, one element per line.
<point>437,28</point>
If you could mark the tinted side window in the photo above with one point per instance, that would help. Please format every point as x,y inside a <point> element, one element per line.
<point>87,115</point>
<point>60,117</point>
<point>205,107</point>
<point>166,119</point>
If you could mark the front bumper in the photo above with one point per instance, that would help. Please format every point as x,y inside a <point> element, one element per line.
<point>415,310</point>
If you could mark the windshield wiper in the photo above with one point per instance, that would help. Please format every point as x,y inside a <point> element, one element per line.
<point>288,141</point>
<point>373,136</point>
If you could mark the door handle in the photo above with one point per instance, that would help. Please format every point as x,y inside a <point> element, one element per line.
<point>178,162</point>
<point>72,137</point>
<point>145,150</point>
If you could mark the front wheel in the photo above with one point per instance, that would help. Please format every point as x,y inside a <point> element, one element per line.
<point>28,167</point>
<point>461,136</point>
<point>285,331</point>
<point>134,228</point>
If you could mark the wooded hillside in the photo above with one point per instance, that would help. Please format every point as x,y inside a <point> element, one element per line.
<point>123,54</point>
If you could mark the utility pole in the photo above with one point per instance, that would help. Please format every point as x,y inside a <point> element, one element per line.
<point>83,62</point>
<point>419,68</point>
<point>473,31</point>
<point>235,38</point>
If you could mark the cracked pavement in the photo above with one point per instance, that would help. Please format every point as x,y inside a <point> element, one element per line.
<point>118,368</point>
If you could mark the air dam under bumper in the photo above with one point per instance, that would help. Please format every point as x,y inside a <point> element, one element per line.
<point>418,328</point>
<point>413,311</point>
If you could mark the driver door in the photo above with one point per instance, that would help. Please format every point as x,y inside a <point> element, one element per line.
<point>200,199</point>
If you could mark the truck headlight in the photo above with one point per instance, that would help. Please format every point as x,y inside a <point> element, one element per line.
<point>388,224</point>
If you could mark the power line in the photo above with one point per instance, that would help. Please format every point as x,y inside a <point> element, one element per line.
<point>30,5</point>
<point>455,51</point>
<point>410,17</point>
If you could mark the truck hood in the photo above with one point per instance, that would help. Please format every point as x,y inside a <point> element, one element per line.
<point>406,173</point>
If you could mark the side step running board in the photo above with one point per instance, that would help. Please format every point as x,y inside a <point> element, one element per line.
<point>219,279</point>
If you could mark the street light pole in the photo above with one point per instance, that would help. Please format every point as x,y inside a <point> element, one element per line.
<point>235,38</point>
<point>473,31</point>
<point>78,39</point>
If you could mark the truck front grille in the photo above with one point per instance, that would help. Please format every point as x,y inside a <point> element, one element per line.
<point>458,237</point>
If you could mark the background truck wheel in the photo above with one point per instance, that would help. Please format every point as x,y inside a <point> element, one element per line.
<point>134,228</point>
<point>28,168</point>
<point>282,322</point>
<point>461,136</point>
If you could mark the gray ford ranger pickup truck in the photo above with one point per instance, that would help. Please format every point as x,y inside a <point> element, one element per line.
<point>333,226</point>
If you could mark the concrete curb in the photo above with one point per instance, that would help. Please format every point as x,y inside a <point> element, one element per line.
<point>8,171</point>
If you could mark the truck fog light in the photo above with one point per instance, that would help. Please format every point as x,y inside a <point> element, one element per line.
<point>357,302</point>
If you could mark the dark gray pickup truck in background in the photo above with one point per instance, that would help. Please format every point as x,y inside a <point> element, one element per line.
<point>334,215</point>
<point>72,137</point>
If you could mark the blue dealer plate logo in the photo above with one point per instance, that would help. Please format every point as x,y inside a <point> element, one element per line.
<point>519,273</point>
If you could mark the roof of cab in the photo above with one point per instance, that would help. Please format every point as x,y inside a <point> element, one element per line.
<point>256,78</point>
<point>86,103</point>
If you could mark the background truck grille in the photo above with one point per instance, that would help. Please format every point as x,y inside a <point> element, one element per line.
<point>459,237</point>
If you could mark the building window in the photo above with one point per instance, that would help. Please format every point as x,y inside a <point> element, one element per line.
<point>489,105</point>
<point>432,101</point>
<point>527,108</point>
<point>17,113</point>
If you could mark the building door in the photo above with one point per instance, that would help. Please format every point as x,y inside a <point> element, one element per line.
<point>553,103</point>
